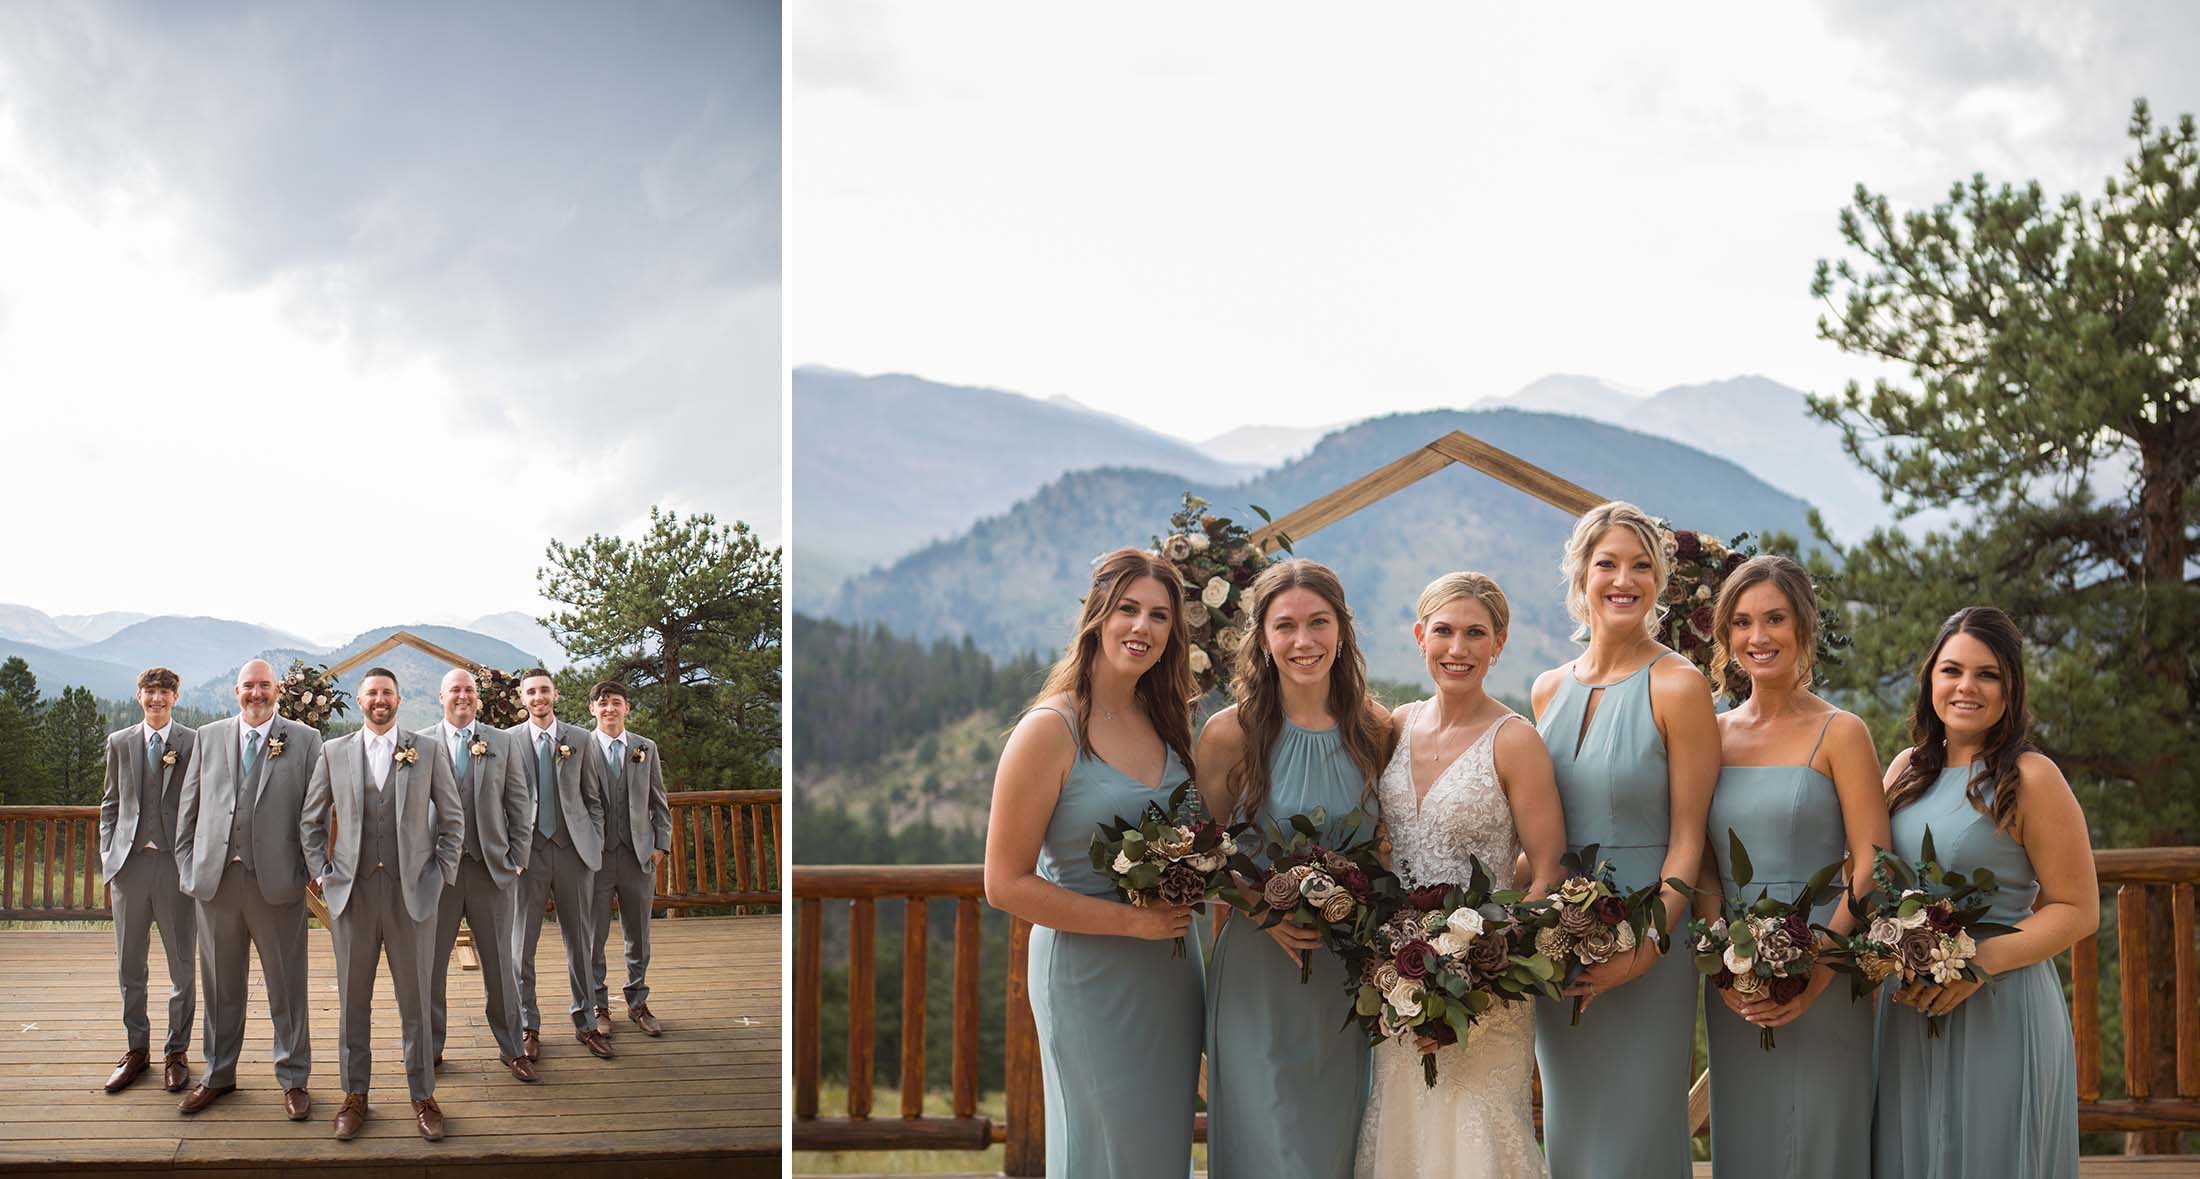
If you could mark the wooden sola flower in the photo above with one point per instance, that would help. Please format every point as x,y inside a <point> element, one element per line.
<point>1216,560</point>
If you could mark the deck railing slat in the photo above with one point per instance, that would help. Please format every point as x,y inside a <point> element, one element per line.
<point>915,915</point>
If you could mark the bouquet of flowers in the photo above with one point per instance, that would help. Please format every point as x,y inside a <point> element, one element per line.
<point>308,694</point>
<point>1762,947</point>
<point>1339,892</point>
<point>1168,857</point>
<point>1216,559</point>
<point>1588,921</point>
<point>1922,925</point>
<point>499,690</point>
<point>1442,958</point>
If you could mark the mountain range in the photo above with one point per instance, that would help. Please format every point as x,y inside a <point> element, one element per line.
<point>206,652</point>
<point>1012,581</point>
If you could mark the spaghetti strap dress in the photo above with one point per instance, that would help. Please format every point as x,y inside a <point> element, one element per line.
<point>1815,1084</point>
<point>1287,1075</point>
<point>1615,1088</point>
<point>1120,1020</point>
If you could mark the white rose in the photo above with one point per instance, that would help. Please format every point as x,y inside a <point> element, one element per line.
<point>1216,593</point>
<point>1913,920</point>
<point>1200,662</point>
<point>1466,923</point>
<point>1122,863</point>
<point>1195,614</point>
<point>1199,542</point>
<point>1738,962</point>
<point>1230,640</point>
<point>1450,944</point>
<point>1966,948</point>
<point>1626,936</point>
<point>1885,931</point>
<point>1405,999</point>
<point>1206,862</point>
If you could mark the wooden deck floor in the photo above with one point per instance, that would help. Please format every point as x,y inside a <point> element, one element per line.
<point>704,1099</point>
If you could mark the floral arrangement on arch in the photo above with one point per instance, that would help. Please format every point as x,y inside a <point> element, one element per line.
<point>1216,559</point>
<point>1701,564</point>
<point>308,694</point>
<point>499,691</point>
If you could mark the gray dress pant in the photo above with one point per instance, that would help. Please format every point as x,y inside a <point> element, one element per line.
<point>374,920</point>
<point>236,921</point>
<point>488,911</point>
<point>636,888</point>
<point>142,894</point>
<point>554,871</point>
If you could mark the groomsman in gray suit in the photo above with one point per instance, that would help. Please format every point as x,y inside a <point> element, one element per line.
<point>397,831</point>
<point>637,833</point>
<point>568,849</point>
<point>500,822</point>
<point>146,764</point>
<point>237,854</point>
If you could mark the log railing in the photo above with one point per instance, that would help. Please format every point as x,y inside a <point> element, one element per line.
<point>728,850</point>
<point>2126,873</point>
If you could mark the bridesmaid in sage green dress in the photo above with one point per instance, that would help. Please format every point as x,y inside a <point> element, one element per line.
<point>1997,1092</point>
<point>1120,1019</point>
<point>1792,1112</point>
<point>1286,1075</point>
<point>1635,745</point>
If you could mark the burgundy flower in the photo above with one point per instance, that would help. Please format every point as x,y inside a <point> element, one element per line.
<point>1428,896</point>
<point>1733,562</point>
<point>1609,910</point>
<point>1798,930</point>
<point>1724,980</point>
<point>1354,881</point>
<point>1413,959</point>
<point>1686,545</point>
<point>1941,918</point>
<point>1441,1032</point>
<point>1785,988</point>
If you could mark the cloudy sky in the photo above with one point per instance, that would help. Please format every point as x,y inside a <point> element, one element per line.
<point>1203,216</point>
<point>348,308</point>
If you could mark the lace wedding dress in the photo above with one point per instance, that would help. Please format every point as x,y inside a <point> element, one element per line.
<point>1476,1122</point>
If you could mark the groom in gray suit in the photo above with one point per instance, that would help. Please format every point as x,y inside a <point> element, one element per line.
<point>500,824</point>
<point>568,849</point>
<point>398,829</point>
<point>137,856</point>
<point>237,854</point>
<point>637,833</point>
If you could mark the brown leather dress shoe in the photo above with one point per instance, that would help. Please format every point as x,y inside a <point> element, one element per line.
<point>429,1115</point>
<point>200,1097</point>
<point>603,1022</point>
<point>530,1043</point>
<point>645,1021</point>
<point>298,1103</point>
<point>350,1116</point>
<point>126,1070</point>
<point>595,1041</point>
<point>175,1071</point>
<point>521,1067</point>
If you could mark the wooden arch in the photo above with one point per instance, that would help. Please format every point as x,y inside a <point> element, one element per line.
<point>1456,447</point>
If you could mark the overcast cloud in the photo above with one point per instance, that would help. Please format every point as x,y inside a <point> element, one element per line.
<point>294,283</point>
<point>1203,216</point>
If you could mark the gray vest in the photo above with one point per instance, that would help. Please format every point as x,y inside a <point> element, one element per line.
<point>156,822</point>
<point>616,833</point>
<point>466,797</point>
<point>378,828</point>
<point>240,825</point>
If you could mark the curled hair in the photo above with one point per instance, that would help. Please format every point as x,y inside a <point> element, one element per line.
<point>1582,545</point>
<point>1257,688</point>
<point>158,679</point>
<point>1167,689</point>
<point>2005,742</point>
<point>1478,586</point>
<point>1793,582</point>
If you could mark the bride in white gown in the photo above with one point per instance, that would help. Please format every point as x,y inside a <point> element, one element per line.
<point>1465,781</point>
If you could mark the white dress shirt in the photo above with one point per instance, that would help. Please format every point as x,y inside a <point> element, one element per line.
<point>244,742</point>
<point>381,750</point>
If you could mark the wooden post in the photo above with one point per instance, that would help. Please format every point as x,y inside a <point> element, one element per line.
<point>964,1069</point>
<point>2085,1014</point>
<point>862,1001</point>
<point>914,915</point>
<point>1026,1152</point>
<point>809,942</point>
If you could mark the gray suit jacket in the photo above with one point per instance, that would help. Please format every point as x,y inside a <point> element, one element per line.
<point>648,815</point>
<point>211,797</point>
<point>503,805</point>
<point>118,799</point>
<point>430,827</point>
<point>578,793</point>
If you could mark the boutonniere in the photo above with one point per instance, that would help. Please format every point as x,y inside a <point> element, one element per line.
<point>406,754</point>
<point>564,751</point>
<point>168,758</point>
<point>640,756</point>
<point>274,748</point>
<point>479,748</point>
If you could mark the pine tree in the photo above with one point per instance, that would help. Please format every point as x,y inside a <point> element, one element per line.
<point>74,740</point>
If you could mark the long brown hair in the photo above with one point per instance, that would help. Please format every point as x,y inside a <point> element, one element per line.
<point>1257,688</point>
<point>2005,742</point>
<point>1167,690</point>
<point>1793,582</point>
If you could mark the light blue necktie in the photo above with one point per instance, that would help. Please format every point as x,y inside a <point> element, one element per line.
<point>465,755</point>
<point>618,757</point>
<point>546,788</point>
<point>152,753</point>
<point>251,758</point>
